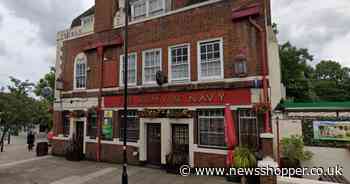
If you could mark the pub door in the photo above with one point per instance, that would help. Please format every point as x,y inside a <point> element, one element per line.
<point>154,144</point>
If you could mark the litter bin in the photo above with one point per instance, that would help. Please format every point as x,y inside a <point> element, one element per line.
<point>42,149</point>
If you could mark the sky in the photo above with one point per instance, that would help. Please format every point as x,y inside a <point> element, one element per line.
<point>28,30</point>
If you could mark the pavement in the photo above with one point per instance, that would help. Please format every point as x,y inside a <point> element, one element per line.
<point>18,166</point>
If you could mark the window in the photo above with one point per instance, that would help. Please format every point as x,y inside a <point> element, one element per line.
<point>139,9</point>
<point>211,124</point>
<point>152,61</point>
<point>179,63</point>
<point>210,60</point>
<point>156,7</point>
<point>146,8</point>
<point>66,123</point>
<point>241,67</point>
<point>80,71</point>
<point>92,125</point>
<point>87,23</point>
<point>248,128</point>
<point>107,127</point>
<point>132,126</point>
<point>132,69</point>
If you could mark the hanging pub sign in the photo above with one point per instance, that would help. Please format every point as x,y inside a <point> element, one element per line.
<point>332,130</point>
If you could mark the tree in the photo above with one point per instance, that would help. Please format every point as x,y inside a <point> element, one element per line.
<point>47,82</point>
<point>332,81</point>
<point>17,108</point>
<point>296,73</point>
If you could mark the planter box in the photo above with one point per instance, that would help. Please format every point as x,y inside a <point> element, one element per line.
<point>173,169</point>
<point>42,149</point>
<point>73,156</point>
<point>233,179</point>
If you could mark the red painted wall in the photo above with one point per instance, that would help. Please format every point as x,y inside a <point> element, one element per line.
<point>193,98</point>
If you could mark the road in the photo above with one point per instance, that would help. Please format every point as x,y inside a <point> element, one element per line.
<point>18,166</point>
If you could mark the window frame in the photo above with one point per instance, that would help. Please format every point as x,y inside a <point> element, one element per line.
<point>184,80</point>
<point>253,118</point>
<point>76,59</point>
<point>206,78</point>
<point>121,128</point>
<point>199,129</point>
<point>133,9</point>
<point>66,129</point>
<point>143,65</point>
<point>121,63</point>
<point>147,14</point>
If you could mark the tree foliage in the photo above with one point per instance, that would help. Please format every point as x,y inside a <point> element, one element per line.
<point>326,81</point>
<point>18,108</point>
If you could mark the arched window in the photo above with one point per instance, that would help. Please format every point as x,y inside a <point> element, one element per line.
<point>80,71</point>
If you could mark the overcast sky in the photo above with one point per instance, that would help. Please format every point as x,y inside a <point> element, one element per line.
<point>28,29</point>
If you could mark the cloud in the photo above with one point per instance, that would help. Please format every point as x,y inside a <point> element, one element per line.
<point>50,16</point>
<point>27,42</point>
<point>2,48</point>
<point>320,26</point>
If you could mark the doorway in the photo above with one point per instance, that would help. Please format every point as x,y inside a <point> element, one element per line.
<point>80,136</point>
<point>154,144</point>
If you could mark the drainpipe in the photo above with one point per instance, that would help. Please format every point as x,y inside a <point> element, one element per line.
<point>99,111</point>
<point>278,140</point>
<point>262,34</point>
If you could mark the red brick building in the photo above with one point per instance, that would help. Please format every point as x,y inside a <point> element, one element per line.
<point>213,52</point>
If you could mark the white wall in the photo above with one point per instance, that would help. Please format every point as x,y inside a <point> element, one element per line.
<point>276,89</point>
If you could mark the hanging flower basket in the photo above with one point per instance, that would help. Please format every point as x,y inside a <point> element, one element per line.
<point>262,108</point>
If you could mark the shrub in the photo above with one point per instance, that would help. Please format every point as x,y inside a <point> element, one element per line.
<point>293,149</point>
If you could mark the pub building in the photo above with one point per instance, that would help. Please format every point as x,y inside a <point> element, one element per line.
<point>187,61</point>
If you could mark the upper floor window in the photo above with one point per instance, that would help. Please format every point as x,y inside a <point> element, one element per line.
<point>87,23</point>
<point>146,8</point>
<point>132,69</point>
<point>179,57</point>
<point>210,62</point>
<point>152,63</point>
<point>80,65</point>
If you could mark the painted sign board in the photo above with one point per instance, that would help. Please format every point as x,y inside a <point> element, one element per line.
<point>193,98</point>
<point>332,130</point>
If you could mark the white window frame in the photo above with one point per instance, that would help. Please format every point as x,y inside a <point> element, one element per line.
<point>147,8</point>
<point>170,63</point>
<point>133,8</point>
<point>200,77</point>
<point>121,61</point>
<point>77,58</point>
<point>88,27</point>
<point>199,130</point>
<point>143,65</point>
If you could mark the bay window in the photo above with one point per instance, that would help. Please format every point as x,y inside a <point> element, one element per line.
<point>152,63</point>
<point>179,63</point>
<point>211,125</point>
<point>210,62</point>
<point>132,69</point>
